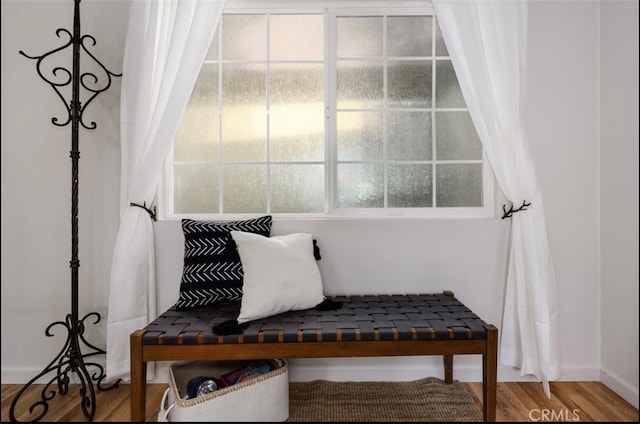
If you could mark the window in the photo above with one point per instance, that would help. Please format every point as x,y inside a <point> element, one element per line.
<point>329,112</point>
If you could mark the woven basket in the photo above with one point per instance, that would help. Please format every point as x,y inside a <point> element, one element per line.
<point>264,397</point>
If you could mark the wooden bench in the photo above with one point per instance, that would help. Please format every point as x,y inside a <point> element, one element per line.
<point>365,326</point>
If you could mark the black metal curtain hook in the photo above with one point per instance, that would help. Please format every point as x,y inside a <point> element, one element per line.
<point>511,211</point>
<point>152,213</point>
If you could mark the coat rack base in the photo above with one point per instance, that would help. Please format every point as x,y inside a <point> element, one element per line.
<point>70,363</point>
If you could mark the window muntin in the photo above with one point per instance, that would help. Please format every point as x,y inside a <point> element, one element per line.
<point>348,116</point>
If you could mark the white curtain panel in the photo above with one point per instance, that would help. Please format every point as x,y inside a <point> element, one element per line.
<point>166,43</point>
<point>487,43</point>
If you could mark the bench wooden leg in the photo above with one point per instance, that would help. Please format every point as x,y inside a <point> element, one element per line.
<point>448,369</point>
<point>490,375</point>
<point>138,378</point>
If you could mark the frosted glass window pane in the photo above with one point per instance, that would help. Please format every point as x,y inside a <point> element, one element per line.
<point>196,188</point>
<point>244,134</point>
<point>360,84</point>
<point>448,93</point>
<point>244,37</point>
<point>297,37</point>
<point>359,36</point>
<point>244,113</point>
<point>297,83</point>
<point>297,134</point>
<point>409,83</point>
<point>360,135</point>
<point>360,186</point>
<point>456,137</point>
<point>459,185</point>
<point>214,48</point>
<point>409,135</point>
<point>245,189</point>
<point>441,47</point>
<point>297,188</point>
<point>409,36</point>
<point>297,112</point>
<point>410,186</point>
<point>244,84</point>
<point>197,134</point>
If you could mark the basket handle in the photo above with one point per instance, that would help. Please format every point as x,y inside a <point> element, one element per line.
<point>163,414</point>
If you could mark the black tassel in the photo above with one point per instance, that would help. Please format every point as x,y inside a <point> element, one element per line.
<point>229,327</point>
<point>328,305</point>
<point>316,250</point>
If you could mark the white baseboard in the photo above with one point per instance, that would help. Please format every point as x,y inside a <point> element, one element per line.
<point>621,387</point>
<point>464,372</point>
<point>465,369</point>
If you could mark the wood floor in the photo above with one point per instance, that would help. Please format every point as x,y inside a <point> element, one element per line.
<point>581,401</point>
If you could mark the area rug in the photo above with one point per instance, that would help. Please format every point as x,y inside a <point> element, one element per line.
<point>427,399</point>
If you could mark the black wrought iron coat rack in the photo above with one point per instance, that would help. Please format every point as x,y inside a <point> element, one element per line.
<point>71,360</point>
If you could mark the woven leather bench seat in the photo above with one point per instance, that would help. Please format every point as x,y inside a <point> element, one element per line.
<point>361,318</point>
<point>364,326</point>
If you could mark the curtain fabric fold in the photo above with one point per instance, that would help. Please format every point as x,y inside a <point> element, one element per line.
<point>166,43</point>
<point>487,43</point>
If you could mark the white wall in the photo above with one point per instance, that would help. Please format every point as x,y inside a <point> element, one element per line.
<point>467,257</point>
<point>619,195</point>
<point>563,131</point>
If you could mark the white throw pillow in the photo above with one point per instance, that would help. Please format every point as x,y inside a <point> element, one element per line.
<point>280,274</point>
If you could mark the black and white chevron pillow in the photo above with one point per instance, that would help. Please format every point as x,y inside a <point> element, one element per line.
<point>212,270</point>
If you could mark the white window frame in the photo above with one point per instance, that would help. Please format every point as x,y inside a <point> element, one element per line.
<point>331,9</point>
